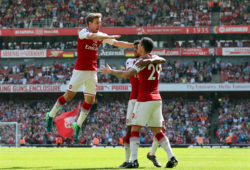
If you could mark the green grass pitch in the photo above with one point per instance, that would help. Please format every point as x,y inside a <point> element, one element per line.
<point>110,158</point>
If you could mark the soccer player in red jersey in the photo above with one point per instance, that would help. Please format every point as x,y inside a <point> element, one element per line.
<point>131,103</point>
<point>85,70</point>
<point>132,99</point>
<point>148,107</point>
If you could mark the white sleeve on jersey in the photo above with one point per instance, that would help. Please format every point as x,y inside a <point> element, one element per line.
<point>129,63</point>
<point>138,69</point>
<point>109,41</point>
<point>83,33</point>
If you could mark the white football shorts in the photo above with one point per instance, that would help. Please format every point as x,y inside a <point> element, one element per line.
<point>148,114</point>
<point>131,104</point>
<point>80,78</point>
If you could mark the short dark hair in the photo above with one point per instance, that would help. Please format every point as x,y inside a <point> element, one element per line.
<point>92,16</point>
<point>147,43</point>
<point>136,42</point>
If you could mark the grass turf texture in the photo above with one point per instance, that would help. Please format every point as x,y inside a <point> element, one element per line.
<point>110,158</point>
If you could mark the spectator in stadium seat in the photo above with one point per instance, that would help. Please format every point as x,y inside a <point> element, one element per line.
<point>65,14</point>
<point>108,121</point>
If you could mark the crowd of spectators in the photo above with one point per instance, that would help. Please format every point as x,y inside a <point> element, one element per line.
<point>72,13</point>
<point>184,122</point>
<point>235,13</point>
<point>72,45</point>
<point>40,45</point>
<point>201,72</point>
<point>187,72</point>
<point>232,43</point>
<point>187,120</point>
<point>234,72</point>
<point>233,121</point>
<point>180,71</point>
<point>205,43</point>
<point>57,73</point>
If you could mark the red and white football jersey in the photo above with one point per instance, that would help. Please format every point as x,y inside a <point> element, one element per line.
<point>87,51</point>
<point>133,79</point>
<point>148,82</point>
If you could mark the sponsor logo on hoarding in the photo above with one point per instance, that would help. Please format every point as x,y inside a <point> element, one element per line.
<point>222,29</point>
<point>104,52</point>
<point>53,31</point>
<point>23,32</point>
<point>23,53</point>
<point>39,31</point>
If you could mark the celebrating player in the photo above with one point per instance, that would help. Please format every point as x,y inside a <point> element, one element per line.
<point>148,107</point>
<point>132,99</point>
<point>84,73</point>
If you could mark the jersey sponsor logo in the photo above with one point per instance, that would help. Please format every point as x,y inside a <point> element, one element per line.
<point>93,47</point>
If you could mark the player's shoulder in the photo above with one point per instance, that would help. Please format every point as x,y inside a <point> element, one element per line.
<point>154,56</point>
<point>84,30</point>
<point>129,60</point>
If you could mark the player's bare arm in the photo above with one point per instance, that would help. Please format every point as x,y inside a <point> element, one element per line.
<point>119,44</point>
<point>123,44</point>
<point>118,73</point>
<point>156,60</point>
<point>110,39</point>
<point>101,36</point>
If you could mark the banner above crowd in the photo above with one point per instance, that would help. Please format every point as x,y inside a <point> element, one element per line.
<point>241,29</point>
<point>196,87</point>
<point>245,51</point>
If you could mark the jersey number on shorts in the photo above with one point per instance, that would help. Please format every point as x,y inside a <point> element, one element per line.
<point>154,68</point>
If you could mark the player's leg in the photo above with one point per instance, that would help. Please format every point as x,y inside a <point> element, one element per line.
<point>90,86</point>
<point>131,104</point>
<point>74,84</point>
<point>68,95</point>
<point>134,145</point>
<point>139,119</point>
<point>126,147</point>
<point>86,106</point>
<point>165,144</point>
<point>156,123</point>
<point>85,109</point>
<point>127,144</point>
<point>151,155</point>
<point>154,146</point>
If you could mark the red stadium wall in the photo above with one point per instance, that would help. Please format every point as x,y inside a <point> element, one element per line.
<point>243,29</point>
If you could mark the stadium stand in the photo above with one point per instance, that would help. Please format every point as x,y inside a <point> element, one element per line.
<point>71,45</point>
<point>173,72</point>
<point>233,121</point>
<point>184,122</point>
<point>68,14</point>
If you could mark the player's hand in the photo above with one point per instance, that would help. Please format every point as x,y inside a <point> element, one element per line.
<point>143,63</point>
<point>114,36</point>
<point>105,70</point>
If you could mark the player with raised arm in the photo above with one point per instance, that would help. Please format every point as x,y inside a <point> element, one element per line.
<point>132,100</point>
<point>148,108</point>
<point>85,70</point>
